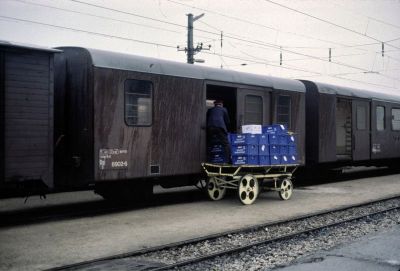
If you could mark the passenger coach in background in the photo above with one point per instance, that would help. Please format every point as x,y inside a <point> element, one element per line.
<point>346,126</point>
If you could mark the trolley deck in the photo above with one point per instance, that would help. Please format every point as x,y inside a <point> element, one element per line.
<point>249,180</point>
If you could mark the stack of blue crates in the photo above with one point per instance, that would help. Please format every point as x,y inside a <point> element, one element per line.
<point>216,153</point>
<point>244,148</point>
<point>275,146</point>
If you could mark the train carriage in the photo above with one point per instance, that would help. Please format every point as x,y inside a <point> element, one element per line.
<point>131,121</point>
<point>347,126</point>
<point>26,117</point>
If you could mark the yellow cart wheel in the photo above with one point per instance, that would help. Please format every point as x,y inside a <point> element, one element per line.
<point>215,188</point>
<point>286,189</point>
<point>248,189</point>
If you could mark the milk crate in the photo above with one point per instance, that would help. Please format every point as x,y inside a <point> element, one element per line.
<point>245,159</point>
<point>216,148</point>
<point>283,139</point>
<point>283,149</point>
<point>217,158</point>
<point>274,149</point>
<point>292,139</point>
<point>274,129</point>
<point>285,159</point>
<point>244,149</point>
<point>292,159</point>
<point>273,139</point>
<point>263,139</point>
<point>243,139</point>
<point>275,159</point>
<point>292,150</point>
<point>263,149</point>
<point>264,160</point>
<point>252,159</point>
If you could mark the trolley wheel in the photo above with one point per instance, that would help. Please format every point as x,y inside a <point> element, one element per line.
<point>214,189</point>
<point>286,189</point>
<point>248,189</point>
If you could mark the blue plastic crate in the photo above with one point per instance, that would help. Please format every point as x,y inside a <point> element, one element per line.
<point>216,148</point>
<point>292,140</point>
<point>283,139</point>
<point>263,139</point>
<point>242,139</point>
<point>283,149</point>
<point>217,158</point>
<point>252,159</point>
<point>293,159</point>
<point>275,159</point>
<point>245,159</point>
<point>273,139</point>
<point>274,129</point>
<point>239,159</point>
<point>263,149</point>
<point>274,149</point>
<point>264,160</point>
<point>285,160</point>
<point>245,149</point>
<point>292,150</point>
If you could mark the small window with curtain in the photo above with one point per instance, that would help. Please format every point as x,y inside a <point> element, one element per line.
<point>395,119</point>
<point>361,116</point>
<point>380,118</point>
<point>283,110</point>
<point>253,110</point>
<point>138,102</point>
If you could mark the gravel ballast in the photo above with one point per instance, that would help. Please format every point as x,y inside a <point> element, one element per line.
<point>281,253</point>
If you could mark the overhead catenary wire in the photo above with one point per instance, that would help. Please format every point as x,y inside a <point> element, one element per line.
<point>172,46</point>
<point>88,32</point>
<point>225,35</point>
<point>328,22</point>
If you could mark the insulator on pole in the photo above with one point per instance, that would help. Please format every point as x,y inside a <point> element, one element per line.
<point>330,54</point>
<point>383,49</point>
<point>280,58</point>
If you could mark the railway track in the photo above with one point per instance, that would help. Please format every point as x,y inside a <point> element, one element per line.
<point>207,248</point>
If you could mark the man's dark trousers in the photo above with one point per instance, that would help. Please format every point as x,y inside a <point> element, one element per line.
<point>217,135</point>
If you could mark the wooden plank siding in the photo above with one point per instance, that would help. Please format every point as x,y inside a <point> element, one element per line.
<point>172,141</point>
<point>28,115</point>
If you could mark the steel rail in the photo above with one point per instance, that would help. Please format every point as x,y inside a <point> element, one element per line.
<point>266,241</point>
<point>77,266</point>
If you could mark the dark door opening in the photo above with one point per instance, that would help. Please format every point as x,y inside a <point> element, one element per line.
<point>226,94</point>
<point>343,129</point>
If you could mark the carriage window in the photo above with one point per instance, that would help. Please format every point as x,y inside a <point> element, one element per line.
<point>138,102</point>
<point>283,110</point>
<point>361,118</point>
<point>253,110</point>
<point>380,118</point>
<point>395,119</point>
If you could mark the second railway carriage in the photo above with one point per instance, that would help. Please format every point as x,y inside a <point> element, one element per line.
<point>128,122</point>
<point>346,126</point>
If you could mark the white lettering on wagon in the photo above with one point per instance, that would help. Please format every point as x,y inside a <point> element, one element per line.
<point>113,159</point>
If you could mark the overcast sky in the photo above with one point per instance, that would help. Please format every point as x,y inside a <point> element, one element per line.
<point>255,33</point>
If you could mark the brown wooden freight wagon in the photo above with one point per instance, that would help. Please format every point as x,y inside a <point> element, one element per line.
<point>26,117</point>
<point>128,122</point>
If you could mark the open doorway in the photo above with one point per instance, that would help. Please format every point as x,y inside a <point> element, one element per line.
<point>343,129</point>
<point>228,96</point>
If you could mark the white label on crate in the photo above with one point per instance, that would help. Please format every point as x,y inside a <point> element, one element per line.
<point>252,129</point>
<point>113,159</point>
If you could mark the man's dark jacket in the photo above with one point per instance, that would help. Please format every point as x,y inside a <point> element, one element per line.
<point>218,117</point>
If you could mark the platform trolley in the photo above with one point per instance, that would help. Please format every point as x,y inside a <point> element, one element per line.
<point>248,180</point>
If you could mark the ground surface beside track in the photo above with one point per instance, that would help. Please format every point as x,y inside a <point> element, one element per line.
<point>380,252</point>
<point>44,245</point>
